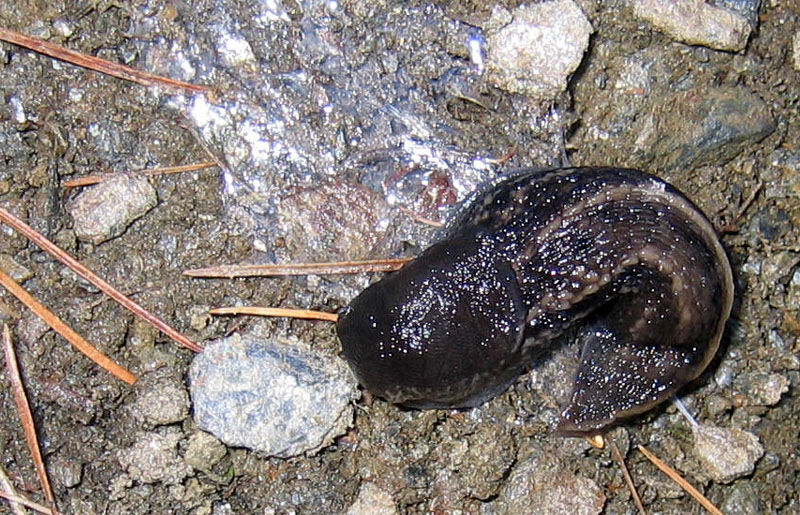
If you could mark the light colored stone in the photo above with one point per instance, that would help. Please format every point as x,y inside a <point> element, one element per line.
<point>726,453</point>
<point>277,397</point>
<point>105,210</point>
<point>796,50</point>
<point>696,22</point>
<point>542,484</point>
<point>372,501</point>
<point>535,54</point>
<point>154,458</point>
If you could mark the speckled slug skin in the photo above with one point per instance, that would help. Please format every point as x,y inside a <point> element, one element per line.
<point>618,257</point>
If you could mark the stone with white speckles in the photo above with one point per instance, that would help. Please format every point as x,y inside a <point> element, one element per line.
<point>277,397</point>
<point>105,210</point>
<point>696,22</point>
<point>537,52</point>
<point>372,500</point>
<point>726,453</point>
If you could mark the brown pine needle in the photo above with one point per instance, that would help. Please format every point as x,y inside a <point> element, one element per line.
<point>64,330</point>
<point>90,276</point>
<point>95,63</point>
<point>307,314</point>
<point>25,414</point>
<point>627,475</point>
<point>22,500</point>
<point>97,178</point>
<point>673,475</point>
<point>337,267</point>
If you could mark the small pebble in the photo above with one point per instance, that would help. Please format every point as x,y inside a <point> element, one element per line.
<point>154,458</point>
<point>161,400</point>
<point>16,271</point>
<point>726,453</point>
<point>105,210</point>
<point>762,389</point>
<point>278,397</point>
<point>541,484</point>
<point>537,52</point>
<point>204,451</point>
<point>696,22</point>
<point>742,499</point>
<point>372,500</point>
<point>65,471</point>
<point>796,50</point>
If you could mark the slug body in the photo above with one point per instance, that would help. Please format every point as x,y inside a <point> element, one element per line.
<point>616,258</point>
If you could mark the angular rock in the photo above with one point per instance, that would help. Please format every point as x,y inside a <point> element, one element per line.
<point>696,22</point>
<point>154,458</point>
<point>726,453</point>
<point>105,210</point>
<point>699,127</point>
<point>542,484</point>
<point>277,397</point>
<point>204,451</point>
<point>535,54</point>
<point>161,400</point>
<point>763,389</point>
<point>372,500</point>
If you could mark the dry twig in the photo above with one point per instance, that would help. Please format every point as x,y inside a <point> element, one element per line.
<point>307,314</point>
<point>93,278</point>
<point>97,178</point>
<point>95,63</point>
<point>26,502</point>
<point>337,267</point>
<point>5,485</point>
<point>64,330</point>
<point>25,414</point>
<point>673,475</point>
<point>627,476</point>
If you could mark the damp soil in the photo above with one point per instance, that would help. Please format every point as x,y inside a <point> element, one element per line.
<point>78,123</point>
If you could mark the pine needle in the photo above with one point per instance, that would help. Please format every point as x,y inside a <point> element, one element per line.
<point>335,267</point>
<point>277,312</point>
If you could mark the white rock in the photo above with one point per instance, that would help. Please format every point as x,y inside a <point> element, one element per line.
<point>372,501</point>
<point>278,397</point>
<point>696,22</point>
<point>726,453</point>
<point>536,53</point>
<point>796,50</point>
<point>105,210</point>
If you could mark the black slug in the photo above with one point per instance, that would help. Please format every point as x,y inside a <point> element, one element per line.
<point>616,258</point>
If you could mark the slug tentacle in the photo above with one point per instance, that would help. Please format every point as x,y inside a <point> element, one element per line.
<point>615,256</point>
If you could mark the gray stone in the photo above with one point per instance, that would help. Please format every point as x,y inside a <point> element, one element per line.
<point>372,500</point>
<point>154,458</point>
<point>535,54</point>
<point>700,127</point>
<point>204,451</point>
<point>278,397</point>
<point>105,210</point>
<point>696,22</point>
<point>16,271</point>
<point>161,400</point>
<point>65,471</point>
<point>742,499</point>
<point>726,453</point>
<point>762,389</point>
<point>541,485</point>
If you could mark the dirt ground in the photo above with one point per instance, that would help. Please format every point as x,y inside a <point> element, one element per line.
<point>59,122</point>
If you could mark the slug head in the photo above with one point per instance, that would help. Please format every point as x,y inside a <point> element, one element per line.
<point>444,331</point>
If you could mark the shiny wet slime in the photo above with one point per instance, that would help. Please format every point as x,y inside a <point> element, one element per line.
<point>615,258</point>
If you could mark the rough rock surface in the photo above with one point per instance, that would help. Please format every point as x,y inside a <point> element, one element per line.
<point>277,397</point>
<point>536,53</point>
<point>696,22</point>
<point>726,453</point>
<point>105,210</point>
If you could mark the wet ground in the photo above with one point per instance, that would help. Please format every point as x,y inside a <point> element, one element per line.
<point>632,101</point>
